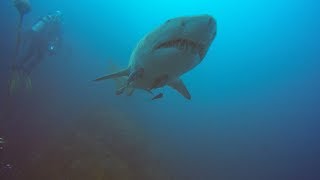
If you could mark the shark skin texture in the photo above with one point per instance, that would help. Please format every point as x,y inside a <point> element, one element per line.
<point>162,56</point>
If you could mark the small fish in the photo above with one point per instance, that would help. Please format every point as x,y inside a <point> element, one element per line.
<point>160,95</point>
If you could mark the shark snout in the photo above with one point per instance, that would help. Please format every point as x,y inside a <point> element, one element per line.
<point>208,19</point>
<point>212,24</point>
<point>208,22</point>
<point>211,21</point>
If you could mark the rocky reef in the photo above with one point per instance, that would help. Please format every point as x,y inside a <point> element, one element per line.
<point>98,144</point>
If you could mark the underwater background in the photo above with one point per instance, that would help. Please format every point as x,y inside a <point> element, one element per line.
<point>254,113</point>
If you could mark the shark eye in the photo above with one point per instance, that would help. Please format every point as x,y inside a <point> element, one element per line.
<point>168,21</point>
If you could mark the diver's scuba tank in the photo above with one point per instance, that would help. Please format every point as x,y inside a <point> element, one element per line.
<point>40,25</point>
<point>51,18</point>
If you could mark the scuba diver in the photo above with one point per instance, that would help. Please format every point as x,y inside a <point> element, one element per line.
<point>43,39</point>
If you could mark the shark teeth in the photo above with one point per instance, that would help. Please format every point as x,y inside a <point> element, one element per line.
<point>184,45</point>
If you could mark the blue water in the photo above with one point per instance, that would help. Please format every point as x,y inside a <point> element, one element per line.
<point>254,113</point>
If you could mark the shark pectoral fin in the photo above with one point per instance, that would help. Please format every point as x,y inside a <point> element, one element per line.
<point>118,74</point>
<point>180,87</point>
<point>120,81</point>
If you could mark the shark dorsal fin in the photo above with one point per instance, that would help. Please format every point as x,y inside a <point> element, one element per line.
<point>180,87</point>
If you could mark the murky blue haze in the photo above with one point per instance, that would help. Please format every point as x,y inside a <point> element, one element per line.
<point>254,113</point>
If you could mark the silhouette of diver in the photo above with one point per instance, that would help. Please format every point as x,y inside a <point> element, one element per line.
<point>44,38</point>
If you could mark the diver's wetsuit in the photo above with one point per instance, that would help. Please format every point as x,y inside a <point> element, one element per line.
<point>37,43</point>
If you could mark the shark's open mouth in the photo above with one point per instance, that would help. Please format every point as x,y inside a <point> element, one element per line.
<point>184,45</point>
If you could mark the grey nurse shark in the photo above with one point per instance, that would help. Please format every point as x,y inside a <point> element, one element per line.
<point>165,54</point>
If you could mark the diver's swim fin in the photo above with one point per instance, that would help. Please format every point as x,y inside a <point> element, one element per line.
<point>19,80</point>
<point>28,83</point>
